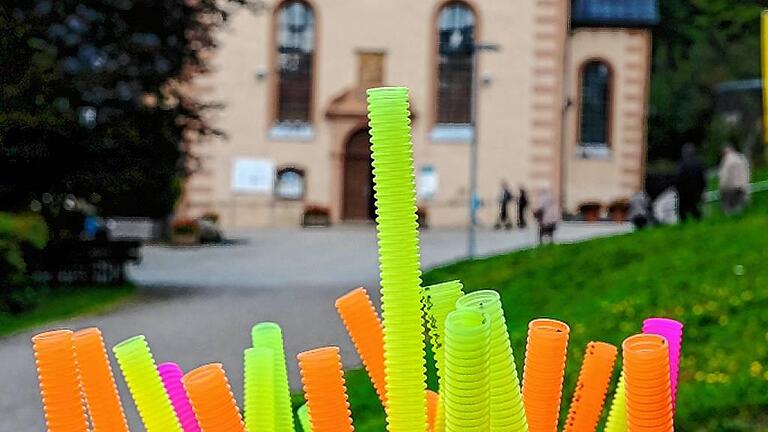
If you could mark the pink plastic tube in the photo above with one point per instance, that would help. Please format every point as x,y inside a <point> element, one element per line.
<point>673,331</point>
<point>171,375</point>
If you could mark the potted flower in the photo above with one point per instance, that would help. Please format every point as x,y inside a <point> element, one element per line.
<point>185,232</point>
<point>618,209</point>
<point>590,211</point>
<point>316,216</point>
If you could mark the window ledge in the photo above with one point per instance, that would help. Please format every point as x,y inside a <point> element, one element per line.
<point>593,151</point>
<point>451,133</point>
<point>291,131</point>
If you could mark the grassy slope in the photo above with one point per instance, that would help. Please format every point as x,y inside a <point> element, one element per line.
<point>711,275</point>
<point>65,302</point>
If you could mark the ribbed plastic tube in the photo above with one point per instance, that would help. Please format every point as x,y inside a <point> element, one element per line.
<point>543,373</point>
<point>440,300</point>
<point>259,390</point>
<point>433,401</point>
<point>467,392</point>
<point>364,327</point>
<point>617,416</point>
<point>591,387</point>
<point>171,375</point>
<point>646,370</point>
<point>140,373</point>
<point>398,240</point>
<point>59,382</point>
<point>303,414</point>
<point>104,406</point>
<point>270,335</point>
<point>507,409</point>
<point>673,331</point>
<point>323,381</point>
<point>212,399</point>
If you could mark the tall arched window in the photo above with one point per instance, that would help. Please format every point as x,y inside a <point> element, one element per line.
<point>295,46</point>
<point>595,104</point>
<point>456,33</point>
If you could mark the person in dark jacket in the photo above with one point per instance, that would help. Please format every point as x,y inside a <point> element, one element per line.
<point>522,206</point>
<point>505,197</point>
<point>690,183</point>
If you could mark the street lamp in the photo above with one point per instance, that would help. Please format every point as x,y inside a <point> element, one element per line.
<point>474,199</point>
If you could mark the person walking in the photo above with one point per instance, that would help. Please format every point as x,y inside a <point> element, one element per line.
<point>690,183</point>
<point>734,181</point>
<point>505,197</point>
<point>522,207</point>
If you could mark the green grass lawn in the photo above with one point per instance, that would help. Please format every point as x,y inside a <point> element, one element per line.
<point>65,302</point>
<point>711,275</point>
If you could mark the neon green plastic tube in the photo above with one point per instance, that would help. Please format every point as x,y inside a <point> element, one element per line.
<point>259,390</point>
<point>440,300</point>
<point>144,382</point>
<point>303,414</point>
<point>466,393</point>
<point>399,266</point>
<point>617,416</point>
<point>507,409</point>
<point>270,335</point>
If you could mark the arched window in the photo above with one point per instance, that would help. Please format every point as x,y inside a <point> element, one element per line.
<point>290,183</point>
<point>295,47</point>
<point>595,104</point>
<point>456,33</point>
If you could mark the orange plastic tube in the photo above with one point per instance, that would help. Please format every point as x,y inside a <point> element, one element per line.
<point>591,387</point>
<point>323,380</point>
<point>433,401</point>
<point>649,394</point>
<point>101,395</point>
<point>212,399</point>
<point>59,381</point>
<point>364,327</point>
<point>543,373</point>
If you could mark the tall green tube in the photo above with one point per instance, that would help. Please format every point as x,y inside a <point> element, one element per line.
<point>398,239</point>
<point>270,335</point>
<point>617,416</point>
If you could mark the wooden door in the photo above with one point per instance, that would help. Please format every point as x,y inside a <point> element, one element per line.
<point>358,203</point>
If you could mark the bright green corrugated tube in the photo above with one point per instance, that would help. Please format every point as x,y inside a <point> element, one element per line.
<point>259,390</point>
<point>466,393</point>
<point>507,409</point>
<point>303,414</point>
<point>617,416</point>
<point>439,301</point>
<point>269,335</point>
<point>140,372</point>
<point>398,240</point>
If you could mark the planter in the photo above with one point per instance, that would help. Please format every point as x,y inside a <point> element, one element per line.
<point>422,217</point>
<point>618,211</point>
<point>590,211</point>
<point>185,239</point>
<point>316,216</point>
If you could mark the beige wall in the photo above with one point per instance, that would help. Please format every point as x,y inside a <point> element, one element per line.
<point>621,173</point>
<point>519,109</point>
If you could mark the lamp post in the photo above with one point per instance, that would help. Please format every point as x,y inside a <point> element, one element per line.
<point>474,200</point>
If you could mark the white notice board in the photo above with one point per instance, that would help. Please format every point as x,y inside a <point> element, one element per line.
<point>252,175</point>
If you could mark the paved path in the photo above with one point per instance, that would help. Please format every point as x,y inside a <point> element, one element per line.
<point>197,305</point>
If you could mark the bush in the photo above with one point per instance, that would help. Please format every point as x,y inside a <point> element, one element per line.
<point>19,236</point>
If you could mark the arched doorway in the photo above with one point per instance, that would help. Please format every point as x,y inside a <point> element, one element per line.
<point>357,199</point>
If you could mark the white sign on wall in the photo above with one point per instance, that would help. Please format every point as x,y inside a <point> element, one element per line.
<point>427,182</point>
<point>251,175</point>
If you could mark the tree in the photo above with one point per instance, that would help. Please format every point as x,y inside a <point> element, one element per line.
<point>698,44</point>
<point>95,100</point>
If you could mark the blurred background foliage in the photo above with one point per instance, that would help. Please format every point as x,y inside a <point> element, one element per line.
<point>697,45</point>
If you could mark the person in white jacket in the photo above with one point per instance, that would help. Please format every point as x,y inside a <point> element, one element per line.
<point>734,181</point>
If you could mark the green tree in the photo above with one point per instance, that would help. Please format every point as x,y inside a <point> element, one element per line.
<point>93,100</point>
<point>698,44</point>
